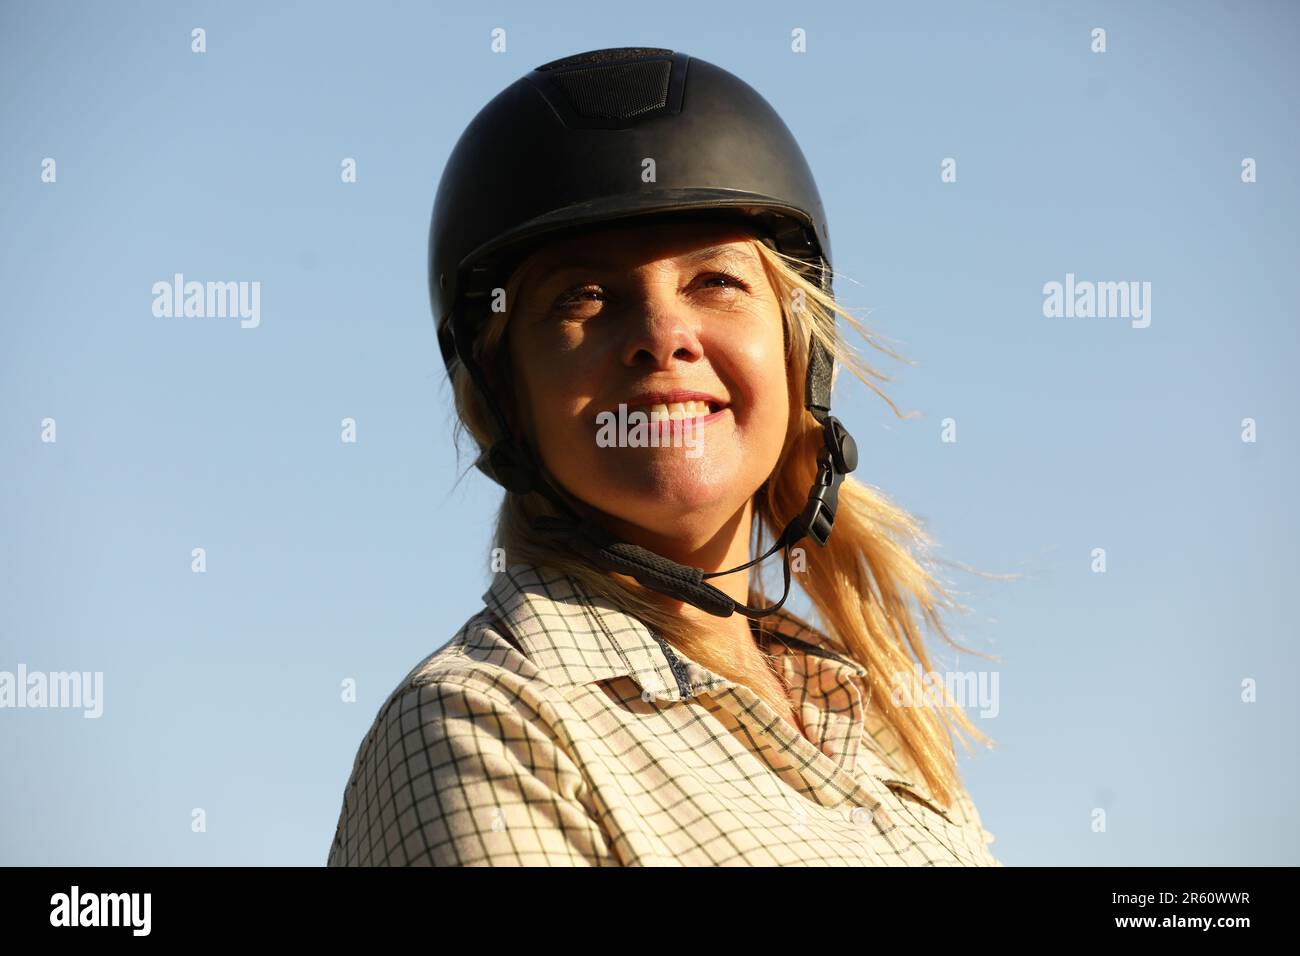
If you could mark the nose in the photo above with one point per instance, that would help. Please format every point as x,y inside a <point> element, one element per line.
<point>660,329</point>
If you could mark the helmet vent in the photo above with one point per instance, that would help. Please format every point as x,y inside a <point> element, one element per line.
<point>612,55</point>
<point>605,85</point>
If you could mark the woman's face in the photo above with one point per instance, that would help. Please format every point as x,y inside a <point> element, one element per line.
<point>652,318</point>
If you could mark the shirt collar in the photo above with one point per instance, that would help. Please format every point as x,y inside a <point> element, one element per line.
<point>574,637</point>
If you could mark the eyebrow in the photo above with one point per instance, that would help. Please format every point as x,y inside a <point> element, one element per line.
<point>738,257</point>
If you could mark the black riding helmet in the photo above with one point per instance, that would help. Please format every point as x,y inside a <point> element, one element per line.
<point>610,135</point>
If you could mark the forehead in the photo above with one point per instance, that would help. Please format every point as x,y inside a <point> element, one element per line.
<point>630,246</point>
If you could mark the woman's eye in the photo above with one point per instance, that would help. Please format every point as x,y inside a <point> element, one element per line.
<point>569,299</point>
<point>575,297</point>
<point>731,281</point>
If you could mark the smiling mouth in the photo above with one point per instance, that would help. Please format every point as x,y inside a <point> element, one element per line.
<point>665,416</point>
<point>679,411</point>
<point>669,411</point>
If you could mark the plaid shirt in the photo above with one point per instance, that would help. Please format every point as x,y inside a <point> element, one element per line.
<point>554,729</point>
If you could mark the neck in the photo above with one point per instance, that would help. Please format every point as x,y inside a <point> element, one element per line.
<point>729,644</point>
<point>726,548</point>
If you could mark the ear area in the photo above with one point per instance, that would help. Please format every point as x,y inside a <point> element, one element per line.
<point>511,466</point>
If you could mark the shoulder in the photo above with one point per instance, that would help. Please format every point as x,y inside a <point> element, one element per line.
<point>468,732</point>
<point>482,650</point>
<point>474,679</point>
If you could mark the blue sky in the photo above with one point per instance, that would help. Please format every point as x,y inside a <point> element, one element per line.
<point>325,561</point>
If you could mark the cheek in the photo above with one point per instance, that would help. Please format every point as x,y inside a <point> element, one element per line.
<point>760,380</point>
<point>555,400</point>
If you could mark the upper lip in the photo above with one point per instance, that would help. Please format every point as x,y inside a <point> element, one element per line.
<point>677,395</point>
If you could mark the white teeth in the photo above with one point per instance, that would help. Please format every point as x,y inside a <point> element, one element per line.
<point>677,411</point>
<point>680,410</point>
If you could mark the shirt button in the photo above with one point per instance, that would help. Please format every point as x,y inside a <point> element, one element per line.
<point>861,816</point>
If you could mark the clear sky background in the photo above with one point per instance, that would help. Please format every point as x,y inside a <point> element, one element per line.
<point>327,561</point>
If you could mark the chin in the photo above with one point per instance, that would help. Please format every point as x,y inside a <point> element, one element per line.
<point>661,490</point>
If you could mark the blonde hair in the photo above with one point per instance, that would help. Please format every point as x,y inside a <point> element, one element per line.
<point>863,583</point>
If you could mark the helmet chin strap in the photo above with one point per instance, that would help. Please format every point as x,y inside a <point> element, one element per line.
<point>837,457</point>
<point>513,465</point>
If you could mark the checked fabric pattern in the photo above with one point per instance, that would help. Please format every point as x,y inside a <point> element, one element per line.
<point>554,729</point>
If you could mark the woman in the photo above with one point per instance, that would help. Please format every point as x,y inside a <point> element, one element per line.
<point>630,268</point>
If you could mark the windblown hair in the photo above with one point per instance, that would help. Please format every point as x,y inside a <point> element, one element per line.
<point>872,586</point>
